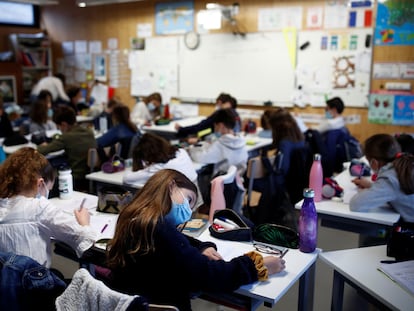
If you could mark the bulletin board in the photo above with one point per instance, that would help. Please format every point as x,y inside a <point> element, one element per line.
<point>155,68</point>
<point>255,68</point>
<point>333,64</point>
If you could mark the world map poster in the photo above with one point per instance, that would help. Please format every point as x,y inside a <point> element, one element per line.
<point>395,23</point>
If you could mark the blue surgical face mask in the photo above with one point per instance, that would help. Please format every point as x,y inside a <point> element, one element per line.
<point>217,134</point>
<point>50,113</point>
<point>180,212</point>
<point>328,115</point>
<point>151,106</point>
<point>38,195</point>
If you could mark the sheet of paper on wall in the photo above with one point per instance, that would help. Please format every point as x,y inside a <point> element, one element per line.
<point>67,47</point>
<point>81,46</point>
<point>144,30</point>
<point>95,47</point>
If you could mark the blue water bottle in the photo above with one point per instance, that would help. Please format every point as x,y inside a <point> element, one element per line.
<point>308,223</point>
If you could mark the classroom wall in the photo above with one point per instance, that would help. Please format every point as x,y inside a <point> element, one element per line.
<point>67,22</point>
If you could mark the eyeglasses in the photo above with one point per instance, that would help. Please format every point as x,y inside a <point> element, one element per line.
<point>267,249</point>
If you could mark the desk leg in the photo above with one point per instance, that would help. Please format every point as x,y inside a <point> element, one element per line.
<point>306,289</point>
<point>337,292</point>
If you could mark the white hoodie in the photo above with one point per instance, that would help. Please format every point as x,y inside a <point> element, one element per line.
<point>227,150</point>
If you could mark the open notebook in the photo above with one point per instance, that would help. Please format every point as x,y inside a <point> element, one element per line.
<point>103,223</point>
<point>400,272</point>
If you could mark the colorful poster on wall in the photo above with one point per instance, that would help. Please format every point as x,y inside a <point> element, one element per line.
<point>404,110</point>
<point>381,108</point>
<point>174,17</point>
<point>397,109</point>
<point>395,23</point>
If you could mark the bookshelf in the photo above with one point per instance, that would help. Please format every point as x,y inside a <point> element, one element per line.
<point>34,55</point>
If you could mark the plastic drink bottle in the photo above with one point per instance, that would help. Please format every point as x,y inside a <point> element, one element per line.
<point>65,183</point>
<point>316,177</point>
<point>308,223</point>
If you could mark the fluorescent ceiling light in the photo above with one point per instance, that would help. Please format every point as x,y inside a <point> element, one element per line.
<point>85,3</point>
<point>37,2</point>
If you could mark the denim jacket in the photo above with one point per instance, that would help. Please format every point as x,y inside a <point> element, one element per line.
<point>27,285</point>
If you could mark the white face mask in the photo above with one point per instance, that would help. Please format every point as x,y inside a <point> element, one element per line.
<point>151,106</point>
<point>38,195</point>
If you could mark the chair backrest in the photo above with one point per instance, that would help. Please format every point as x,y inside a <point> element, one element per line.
<point>227,191</point>
<point>255,170</point>
<point>336,151</point>
<point>85,293</point>
<point>25,284</point>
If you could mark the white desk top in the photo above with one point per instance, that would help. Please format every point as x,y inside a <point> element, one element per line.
<point>116,178</point>
<point>170,127</point>
<point>81,119</point>
<point>360,266</point>
<point>272,290</point>
<point>383,216</point>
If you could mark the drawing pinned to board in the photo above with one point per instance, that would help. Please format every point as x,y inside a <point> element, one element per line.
<point>99,68</point>
<point>344,72</point>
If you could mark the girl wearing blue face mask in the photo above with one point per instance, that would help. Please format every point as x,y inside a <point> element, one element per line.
<point>28,219</point>
<point>147,110</point>
<point>147,246</point>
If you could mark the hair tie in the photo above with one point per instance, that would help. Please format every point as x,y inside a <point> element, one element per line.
<point>399,155</point>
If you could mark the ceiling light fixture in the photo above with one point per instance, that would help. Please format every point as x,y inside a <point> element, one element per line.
<point>37,2</point>
<point>86,3</point>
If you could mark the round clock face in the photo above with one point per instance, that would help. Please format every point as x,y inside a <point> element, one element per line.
<point>192,40</point>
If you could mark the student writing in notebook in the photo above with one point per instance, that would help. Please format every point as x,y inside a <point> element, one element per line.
<point>28,220</point>
<point>150,257</point>
<point>394,178</point>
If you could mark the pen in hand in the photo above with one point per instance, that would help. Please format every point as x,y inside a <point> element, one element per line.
<point>284,253</point>
<point>82,204</point>
<point>104,228</point>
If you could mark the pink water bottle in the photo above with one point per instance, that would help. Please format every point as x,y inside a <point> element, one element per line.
<point>316,177</point>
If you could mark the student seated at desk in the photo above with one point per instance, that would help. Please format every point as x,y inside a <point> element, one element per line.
<point>76,141</point>
<point>39,121</point>
<point>122,132</point>
<point>150,257</point>
<point>223,101</point>
<point>394,181</point>
<point>106,115</point>
<point>333,112</point>
<point>147,110</point>
<point>154,153</point>
<point>28,220</point>
<point>227,149</point>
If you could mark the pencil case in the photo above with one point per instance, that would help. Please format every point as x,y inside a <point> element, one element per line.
<point>223,226</point>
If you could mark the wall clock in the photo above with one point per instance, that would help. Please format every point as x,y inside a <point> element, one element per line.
<point>192,40</point>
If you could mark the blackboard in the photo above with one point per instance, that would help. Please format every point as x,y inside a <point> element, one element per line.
<point>255,68</point>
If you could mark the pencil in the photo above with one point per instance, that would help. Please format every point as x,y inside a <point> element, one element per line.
<point>284,253</point>
<point>81,205</point>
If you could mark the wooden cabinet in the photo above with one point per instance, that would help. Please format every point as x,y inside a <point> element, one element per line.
<point>34,55</point>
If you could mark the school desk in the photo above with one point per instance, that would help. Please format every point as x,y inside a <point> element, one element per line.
<point>101,178</point>
<point>299,266</point>
<point>336,213</point>
<point>358,268</point>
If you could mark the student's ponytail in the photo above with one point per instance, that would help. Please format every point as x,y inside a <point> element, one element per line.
<point>404,167</point>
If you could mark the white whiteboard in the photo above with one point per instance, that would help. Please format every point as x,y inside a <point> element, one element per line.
<point>256,68</point>
<point>342,71</point>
